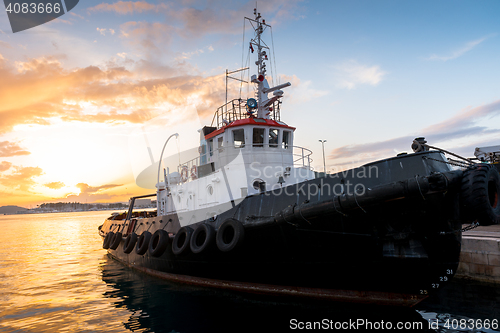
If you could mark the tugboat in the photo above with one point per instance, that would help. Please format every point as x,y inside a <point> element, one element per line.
<point>250,214</point>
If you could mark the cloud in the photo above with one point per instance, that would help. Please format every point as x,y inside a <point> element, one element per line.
<point>466,118</point>
<point>5,44</point>
<point>351,74</point>
<point>4,166</point>
<point>9,149</point>
<point>21,178</point>
<point>188,55</point>
<point>196,21</point>
<point>102,31</point>
<point>147,36</point>
<point>460,126</point>
<point>461,51</point>
<point>76,15</point>
<point>55,185</point>
<point>85,188</point>
<point>301,91</point>
<point>216,17</point>
<point>91,193</point>
<point>367,152</point>
<point>38,90</point>
<point>128,7</point>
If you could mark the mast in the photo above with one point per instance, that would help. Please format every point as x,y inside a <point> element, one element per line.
<point>264,102</point>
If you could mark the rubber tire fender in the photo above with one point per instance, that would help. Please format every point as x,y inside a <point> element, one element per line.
<point>480,194</point>
<point>181,240</point>
<point>129,243</point>
<point>230,235</point>
<point>108,239</point>
<point>117,238</point>
<point>143,243</point>
<point>158,243</point>
<point>202,238</point>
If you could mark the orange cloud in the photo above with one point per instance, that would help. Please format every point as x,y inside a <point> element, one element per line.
<point>8,149</point>
<point>55,185</point>
<point>21,178</point>
<point>34,91</point>
<point>94,194</point>
<point>85,188</point>
<point>4,166</point>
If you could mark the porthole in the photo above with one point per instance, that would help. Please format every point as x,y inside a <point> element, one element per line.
<point>210,190</point>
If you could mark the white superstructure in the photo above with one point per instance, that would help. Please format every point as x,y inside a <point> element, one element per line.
<point>246,151</point>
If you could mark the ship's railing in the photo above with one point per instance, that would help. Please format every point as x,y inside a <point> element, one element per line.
<point>302,157</point>
<point>236,109</point>
<point>229,112</point>
<point>291,156</point>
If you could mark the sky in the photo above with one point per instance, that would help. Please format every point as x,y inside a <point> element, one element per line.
<point>83,96</point>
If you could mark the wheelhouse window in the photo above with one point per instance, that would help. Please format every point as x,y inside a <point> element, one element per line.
<point>258,137</point>
<point>220,142</point>
<point>239,138</point>
<point>285,142</point>
<point>211,146</point>
<point>273,137</point>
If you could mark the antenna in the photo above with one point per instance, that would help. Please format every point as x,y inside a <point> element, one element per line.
<point>234,78</point>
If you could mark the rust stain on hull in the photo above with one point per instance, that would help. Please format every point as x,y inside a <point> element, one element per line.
<point>351,296</point>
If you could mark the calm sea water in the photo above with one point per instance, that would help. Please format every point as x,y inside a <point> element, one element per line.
<point>55,277</point>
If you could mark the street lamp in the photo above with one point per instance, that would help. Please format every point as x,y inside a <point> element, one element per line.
<point>324,162</point>
<point>161,156</point>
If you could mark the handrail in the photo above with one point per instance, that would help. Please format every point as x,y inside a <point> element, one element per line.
<point>161,156</point>
<point>238,110</point>
<point>301,159</point>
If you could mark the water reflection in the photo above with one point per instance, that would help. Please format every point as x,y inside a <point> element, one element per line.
<point>466,303</point>
<point>50,280</point>
<point>55,277</point>
<point>156,305</point>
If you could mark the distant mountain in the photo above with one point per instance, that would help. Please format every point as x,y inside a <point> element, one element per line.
<point>10,209</point>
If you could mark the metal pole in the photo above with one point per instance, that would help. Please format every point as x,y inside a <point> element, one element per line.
<point>324,162</point>
<point>226,90</point>
<point>161,156</point>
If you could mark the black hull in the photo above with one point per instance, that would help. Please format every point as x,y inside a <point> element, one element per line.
<point>396,246</point>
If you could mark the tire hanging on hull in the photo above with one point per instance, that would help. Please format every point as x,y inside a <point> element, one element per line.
<point>480,194</point>
<point>202,238</point>
<point>230,235</point>
<point>117,238</point>
<point>158,243</point>
<point>108,239</point>
<point>143,243</point>
<point>129,243</point>
<point>181,240</point>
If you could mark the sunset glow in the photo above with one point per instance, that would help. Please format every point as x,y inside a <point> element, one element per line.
<point>82,96</point>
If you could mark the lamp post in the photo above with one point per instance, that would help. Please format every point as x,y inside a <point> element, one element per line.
<point>161,156</point>
<point>324,162</point>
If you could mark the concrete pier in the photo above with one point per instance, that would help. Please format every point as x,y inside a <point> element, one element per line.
<point>480,257</point>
